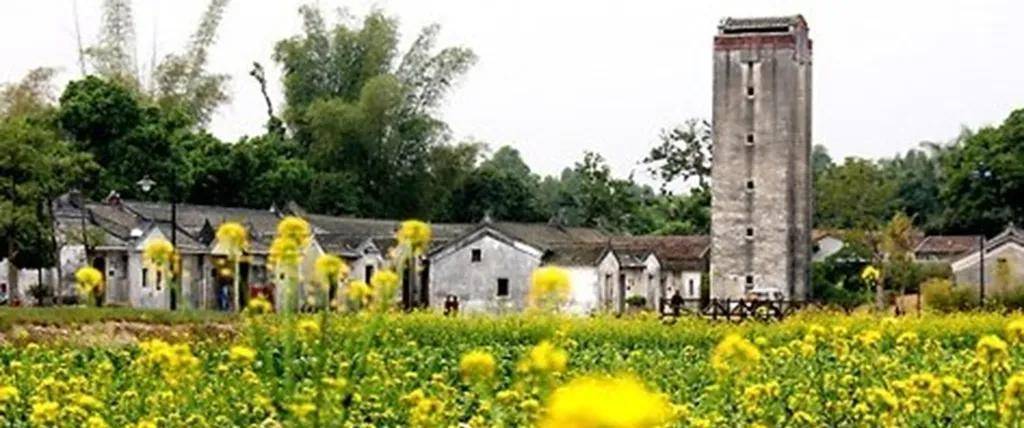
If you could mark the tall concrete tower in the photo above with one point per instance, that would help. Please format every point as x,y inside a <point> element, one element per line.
<point>761,176</point>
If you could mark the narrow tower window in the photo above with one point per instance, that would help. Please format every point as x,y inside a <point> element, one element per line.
<point>750,232</point>
<point>750,91</point>
<point>750,139</point>
<point>750,281</point>
<point>750,184</point>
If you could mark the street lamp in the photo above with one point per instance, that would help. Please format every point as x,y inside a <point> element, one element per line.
<point>982,172</point>
<point>146,184</point>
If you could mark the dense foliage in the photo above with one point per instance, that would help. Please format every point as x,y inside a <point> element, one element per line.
<point>426,370</point>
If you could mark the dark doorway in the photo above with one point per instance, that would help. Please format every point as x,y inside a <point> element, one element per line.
<point>100,264</point>
<point>621,301</point>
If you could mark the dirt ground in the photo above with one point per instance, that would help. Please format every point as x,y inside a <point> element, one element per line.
<point>114,333</point>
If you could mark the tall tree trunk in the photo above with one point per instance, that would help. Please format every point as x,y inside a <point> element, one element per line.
<point>57,288</point>
<point>13,292</point>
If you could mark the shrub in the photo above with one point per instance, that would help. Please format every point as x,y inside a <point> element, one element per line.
<point>940,295</point>
<point>636,301</point>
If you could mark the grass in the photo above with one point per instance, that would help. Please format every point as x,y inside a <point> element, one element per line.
<point>71,315</point>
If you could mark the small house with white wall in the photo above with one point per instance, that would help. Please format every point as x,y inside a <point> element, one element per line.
<point>1003,264</point>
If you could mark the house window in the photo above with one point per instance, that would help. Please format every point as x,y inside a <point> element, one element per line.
<point>502,287</point>
<point>368,273</point>
<point>476,255</point>
<point>159,280</point>
<point>750,139</point>
<point>750,233</point>
<point>750,184</point>
<point>691,287</point>
<point>750,91</point>
<point>145,277</point>
<point>750,282</point>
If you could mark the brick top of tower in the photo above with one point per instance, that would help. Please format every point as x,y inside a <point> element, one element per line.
<point>779,31</point>
<point>770,24</point>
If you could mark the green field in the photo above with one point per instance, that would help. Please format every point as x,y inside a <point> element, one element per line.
<point>820,369</point>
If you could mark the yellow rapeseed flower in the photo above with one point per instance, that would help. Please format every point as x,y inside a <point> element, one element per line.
<point>992,353</point>
<point>89,281</point>
<point>330,269</point>
<point>1015,331</point>
<point>302,410</point>
<point>549,285</point>
<point>600,402</point>
<point>546,358</point>
<point>259,305</point>
<point>308,328</point>
<point>44,412</point>
<point>158,254</point>
<point>359,292</point>
<point>294,229</point>
<point>415,234</point>
<point>384,282</point>
<point>242,354</point>
<point>1011,407</point>
<point>870,274</point>
<point>233,237</point>
<point>8,394</point>
<point>284,253</point>
<point>734,354</point>
<point>477,365</point>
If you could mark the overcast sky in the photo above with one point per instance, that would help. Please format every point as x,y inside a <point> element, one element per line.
<point>556,78</point>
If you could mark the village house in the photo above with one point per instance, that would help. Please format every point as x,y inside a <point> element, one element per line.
<point>945,248</point>
<point>488,269</point>
<point>1003,263</point>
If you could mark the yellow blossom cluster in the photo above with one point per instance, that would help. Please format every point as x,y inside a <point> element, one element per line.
<point>549,286</point>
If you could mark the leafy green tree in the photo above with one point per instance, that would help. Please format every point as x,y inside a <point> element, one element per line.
<point>683,215</point>
<point>683,153</point>
<point>128,139</point>
<point>984,178</point>
<point>820,160</point>
<point>180,79</point>
<point>855,194</point>
<point>450,166</point>
<point>589,195</point>
<point>502,187</point>
<point>36,165</point>
<point>359,107</point>
<point>918,179</point>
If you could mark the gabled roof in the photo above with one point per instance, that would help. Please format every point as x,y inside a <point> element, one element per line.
<point>546,235</point>
<point>760,24</point>
<point>1011,234</point>
<point>947,245</point>
<point>193,217</point>
<point>587,254</point>
<point>680,252</point>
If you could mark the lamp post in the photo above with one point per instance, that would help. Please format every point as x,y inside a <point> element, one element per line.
<point>981,173</point>
<point>146,184</point>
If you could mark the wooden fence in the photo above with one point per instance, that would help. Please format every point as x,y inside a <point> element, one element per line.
<point>733,309</point>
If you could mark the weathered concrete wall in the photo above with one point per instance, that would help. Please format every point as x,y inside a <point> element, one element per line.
<point>1004,270</point>
<point>476,283</point>
<point>608,274</point>
<point>583,299</point>
<point>776,117</point>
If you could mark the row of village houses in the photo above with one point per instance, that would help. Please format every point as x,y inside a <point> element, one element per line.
<point>484,266</point>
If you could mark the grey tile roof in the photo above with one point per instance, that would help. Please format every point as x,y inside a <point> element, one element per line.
<point>546,236</point>
<point>947,245</point>
<point>588,254</point>
<point>680,252</point>
<point>760,24</point>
